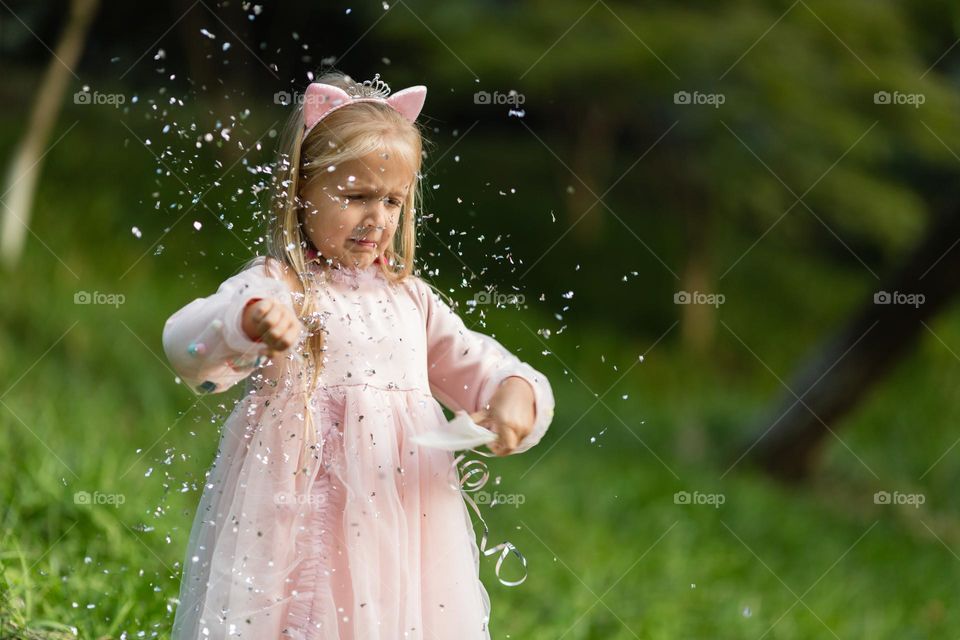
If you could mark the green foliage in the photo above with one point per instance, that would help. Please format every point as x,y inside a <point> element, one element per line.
<point>90,404</point>
<point>798,83</point>
<point>97,410</point>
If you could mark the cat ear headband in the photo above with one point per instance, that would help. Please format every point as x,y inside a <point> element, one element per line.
<point>320,100</point>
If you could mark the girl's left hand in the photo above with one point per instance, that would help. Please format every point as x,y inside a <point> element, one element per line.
<point>510,414</point>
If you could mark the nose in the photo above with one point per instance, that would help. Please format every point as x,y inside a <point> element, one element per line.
<point>376,214</point>
<point>373,222</point>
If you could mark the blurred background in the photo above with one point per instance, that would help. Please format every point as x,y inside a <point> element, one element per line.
<point>726,231</point>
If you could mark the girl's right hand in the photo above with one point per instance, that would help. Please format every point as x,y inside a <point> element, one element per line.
<point>268,321</point>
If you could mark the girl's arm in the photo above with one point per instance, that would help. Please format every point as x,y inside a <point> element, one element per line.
<point>465,367</point>
<point>205,342</point>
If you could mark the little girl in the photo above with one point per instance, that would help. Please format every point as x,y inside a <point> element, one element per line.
<point>321,518</point>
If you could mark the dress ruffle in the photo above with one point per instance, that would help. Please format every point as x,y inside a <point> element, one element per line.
<point>343,273</point>
<point>312,610</point>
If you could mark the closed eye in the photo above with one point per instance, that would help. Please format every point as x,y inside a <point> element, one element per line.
<point>393,202</point>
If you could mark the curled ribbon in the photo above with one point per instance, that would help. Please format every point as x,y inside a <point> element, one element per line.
<point>466,486</point>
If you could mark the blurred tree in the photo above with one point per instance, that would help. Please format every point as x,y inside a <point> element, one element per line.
<point>24,170</point>
<point>835,377</point>
<point>222,76</point>
<point>780,123</point>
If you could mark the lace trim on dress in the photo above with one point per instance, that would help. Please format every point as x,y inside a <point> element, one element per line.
<point>342,273</point>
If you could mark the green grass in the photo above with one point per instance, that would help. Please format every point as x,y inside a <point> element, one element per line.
<point>90,405</point>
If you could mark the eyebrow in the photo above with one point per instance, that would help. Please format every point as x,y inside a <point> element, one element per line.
<point>362,186</point>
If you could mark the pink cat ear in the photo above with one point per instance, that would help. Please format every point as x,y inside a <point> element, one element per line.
<point>319,99</point>
<point>409,101</point>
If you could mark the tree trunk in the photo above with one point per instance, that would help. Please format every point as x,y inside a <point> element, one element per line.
<point>839,374</point>
<point>24,172</point>
<point>212,79</point>
<point>698,318</point>
<point>592,158</point>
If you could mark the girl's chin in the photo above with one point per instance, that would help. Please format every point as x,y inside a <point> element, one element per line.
<point>358,260</point>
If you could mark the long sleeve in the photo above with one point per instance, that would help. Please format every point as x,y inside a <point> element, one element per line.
<point>465,367</point>
<point>205,341</point>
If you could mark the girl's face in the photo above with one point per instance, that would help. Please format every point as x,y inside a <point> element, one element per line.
<point>351,209</point>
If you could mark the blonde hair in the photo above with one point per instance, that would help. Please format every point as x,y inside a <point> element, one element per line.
<point>347,133</point>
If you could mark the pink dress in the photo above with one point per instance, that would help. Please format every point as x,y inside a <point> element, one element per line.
<point>374,540</point>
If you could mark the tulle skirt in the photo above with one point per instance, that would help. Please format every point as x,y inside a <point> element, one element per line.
<point>372,541</point>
